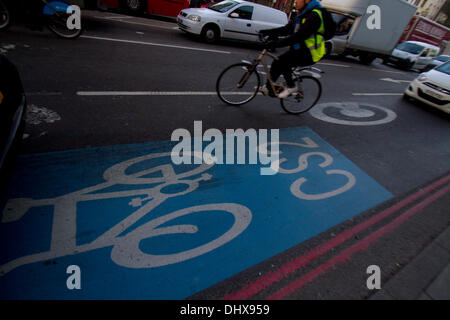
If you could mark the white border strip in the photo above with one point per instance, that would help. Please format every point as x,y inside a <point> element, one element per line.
<point>377,94</point>
<point>154,44</point>
<point>154,93</point>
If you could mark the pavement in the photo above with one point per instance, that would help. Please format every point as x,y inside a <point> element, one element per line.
<point>427,277</point>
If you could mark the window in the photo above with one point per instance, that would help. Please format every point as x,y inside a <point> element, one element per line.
<point>445,68</point>
<point>245,12</point>
<point>223,6</point>
<point>344,23</point>
<point>410,47</point>
<point>443,58</point>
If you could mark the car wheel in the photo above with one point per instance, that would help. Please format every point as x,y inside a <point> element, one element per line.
<point>210,34</point>
<point>409,64</point>
<point>406,97</point>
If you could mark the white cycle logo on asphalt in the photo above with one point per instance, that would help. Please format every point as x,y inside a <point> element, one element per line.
<point>353,113</point>
<point>126,249</point>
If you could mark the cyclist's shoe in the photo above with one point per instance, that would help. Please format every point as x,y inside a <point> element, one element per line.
<point>287,92</point>
<point>267,91</point>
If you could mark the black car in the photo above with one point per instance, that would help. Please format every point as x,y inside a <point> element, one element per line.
<point>12,110</point>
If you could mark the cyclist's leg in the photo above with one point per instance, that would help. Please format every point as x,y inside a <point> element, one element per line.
<point>278,68</point>
<point>283,66</point>
<point>294,58</point>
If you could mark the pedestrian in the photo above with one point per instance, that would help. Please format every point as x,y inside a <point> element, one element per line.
<point>307,46</point>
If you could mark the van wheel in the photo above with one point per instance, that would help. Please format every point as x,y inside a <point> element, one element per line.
<point>210,34</point>
<point>367,58</point>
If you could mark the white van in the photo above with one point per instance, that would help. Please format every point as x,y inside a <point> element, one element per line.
<point>232,19</point>
<point>413,55</point>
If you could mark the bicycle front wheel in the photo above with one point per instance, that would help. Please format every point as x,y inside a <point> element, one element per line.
<point>238,84</point>
<point>302,101</point>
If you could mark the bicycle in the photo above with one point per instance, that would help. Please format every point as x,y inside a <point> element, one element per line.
<point>53,14</point>
<point>243,80</point>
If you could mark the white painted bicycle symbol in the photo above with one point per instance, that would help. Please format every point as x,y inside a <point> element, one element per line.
<point>126,251</point>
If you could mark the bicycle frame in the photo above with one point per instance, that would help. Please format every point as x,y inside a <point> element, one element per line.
<point>260,60</point>
<point>276,87</point>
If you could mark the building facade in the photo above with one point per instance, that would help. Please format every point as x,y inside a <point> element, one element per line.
<point>429,8</point>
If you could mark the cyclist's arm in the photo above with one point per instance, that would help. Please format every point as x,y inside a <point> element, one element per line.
<point>281,31</point>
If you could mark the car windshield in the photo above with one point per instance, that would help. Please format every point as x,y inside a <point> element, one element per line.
<point>445,68</point>
<point>410,47</point>
<point>442,58</point>
<point>223,6</point>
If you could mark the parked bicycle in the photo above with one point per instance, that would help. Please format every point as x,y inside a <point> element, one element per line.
<point>240,83</point>
<point>51,14</point>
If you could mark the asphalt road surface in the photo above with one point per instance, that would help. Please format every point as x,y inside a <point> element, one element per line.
<point>102,110</point>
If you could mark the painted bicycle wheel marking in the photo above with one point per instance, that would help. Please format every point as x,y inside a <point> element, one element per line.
<point>353,114</point>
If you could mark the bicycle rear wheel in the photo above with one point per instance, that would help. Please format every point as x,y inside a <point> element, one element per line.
<point>309,93</point>
<point>5,16</point>
<point>238,84</point>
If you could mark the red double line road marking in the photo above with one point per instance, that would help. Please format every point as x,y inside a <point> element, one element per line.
<point>359,246</point>
<point>265,281</point>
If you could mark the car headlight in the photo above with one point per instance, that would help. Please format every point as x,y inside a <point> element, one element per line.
<point>422,77</point>
<point>195,18</point>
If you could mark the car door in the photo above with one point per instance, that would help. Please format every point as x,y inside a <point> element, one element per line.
<point>239,24</point>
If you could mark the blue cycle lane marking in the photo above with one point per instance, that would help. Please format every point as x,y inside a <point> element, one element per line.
<point>140,227</point>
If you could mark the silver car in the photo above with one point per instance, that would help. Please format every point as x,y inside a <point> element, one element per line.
<point>436,62</point>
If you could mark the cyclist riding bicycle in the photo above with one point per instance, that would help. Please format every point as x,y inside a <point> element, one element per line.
<point>307,46</point>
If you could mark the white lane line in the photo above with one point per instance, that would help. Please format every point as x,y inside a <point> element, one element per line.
<point>154,44</point>
<point>389,71</point>
<point>395,81</point>
<point>189,93</point>
<point>377,94</point>
<point>43,93</point>
<point>155,93</point>
<point>334,64</point>
<point>144,24</point>
<point>114,17</point>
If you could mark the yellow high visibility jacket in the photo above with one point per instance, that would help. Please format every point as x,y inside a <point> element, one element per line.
<point>316,43</point>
